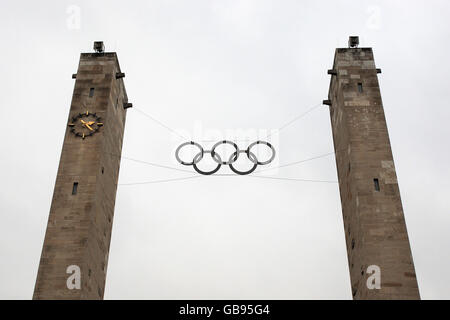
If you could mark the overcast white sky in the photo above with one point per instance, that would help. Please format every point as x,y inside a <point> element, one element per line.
<point>212,67</point>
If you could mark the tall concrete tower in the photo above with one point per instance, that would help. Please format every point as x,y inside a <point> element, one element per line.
<point>374,223</point>
<point>75,253</point>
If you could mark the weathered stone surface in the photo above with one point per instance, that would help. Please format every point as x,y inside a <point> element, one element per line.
<point>374,223</point>
<point>79,226</point>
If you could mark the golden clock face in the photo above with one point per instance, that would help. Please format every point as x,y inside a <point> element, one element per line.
<point>85,124</point>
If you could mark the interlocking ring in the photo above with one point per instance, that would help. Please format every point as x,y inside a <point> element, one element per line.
<point>249,154</point>
<point>194,161</point>
<point>207,173</point>
<point>261,162</point>
<point>232,159</point>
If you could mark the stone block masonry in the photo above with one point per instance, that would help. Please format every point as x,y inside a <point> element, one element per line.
<point>374,222</point>
<point>80,221</point>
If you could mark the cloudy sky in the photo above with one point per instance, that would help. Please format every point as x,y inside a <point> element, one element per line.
<point>211,69</point>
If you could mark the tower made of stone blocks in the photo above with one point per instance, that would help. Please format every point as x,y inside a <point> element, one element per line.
<point>81,215</point>
<point>374,221</point>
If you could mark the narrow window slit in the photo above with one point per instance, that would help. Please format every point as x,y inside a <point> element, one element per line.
<point>360,87</point>
<point>91,92</point>
<point>376,184</point>
<point>75,188</point>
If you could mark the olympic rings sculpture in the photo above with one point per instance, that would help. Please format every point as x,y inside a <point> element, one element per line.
<point>218,159</point>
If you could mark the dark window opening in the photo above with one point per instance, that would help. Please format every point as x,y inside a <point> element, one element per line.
<point>75,188</point>
<point>360,87</point>
<point>91,92</point>
<point>103,170</point>
<point>353,244</point>
<point>376,184</point>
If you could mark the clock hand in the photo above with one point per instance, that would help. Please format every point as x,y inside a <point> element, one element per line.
<point>87,124</point>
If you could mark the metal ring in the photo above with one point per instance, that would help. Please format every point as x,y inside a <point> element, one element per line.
<point>207,173</point>
<point>261,162</point>
<point>193,161</point>
<point>213,153</point>
<point>249,154</point>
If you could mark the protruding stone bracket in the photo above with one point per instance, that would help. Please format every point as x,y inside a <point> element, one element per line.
<point>127,105</point>
<point>378,70</point>
<point>120,75</point>
<point>74,76</point>
<point>327,102</point>
<point>332,72</point>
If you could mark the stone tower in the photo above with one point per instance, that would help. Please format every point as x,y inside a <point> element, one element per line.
<point>75,253</point>
<point>374,222</point>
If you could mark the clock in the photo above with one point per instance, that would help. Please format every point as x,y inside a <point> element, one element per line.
<point>85,124</point>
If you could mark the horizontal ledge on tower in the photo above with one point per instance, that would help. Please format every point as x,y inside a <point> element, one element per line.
<point>127,105</point>
<point>327,102</point>
<point>120,75</point>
